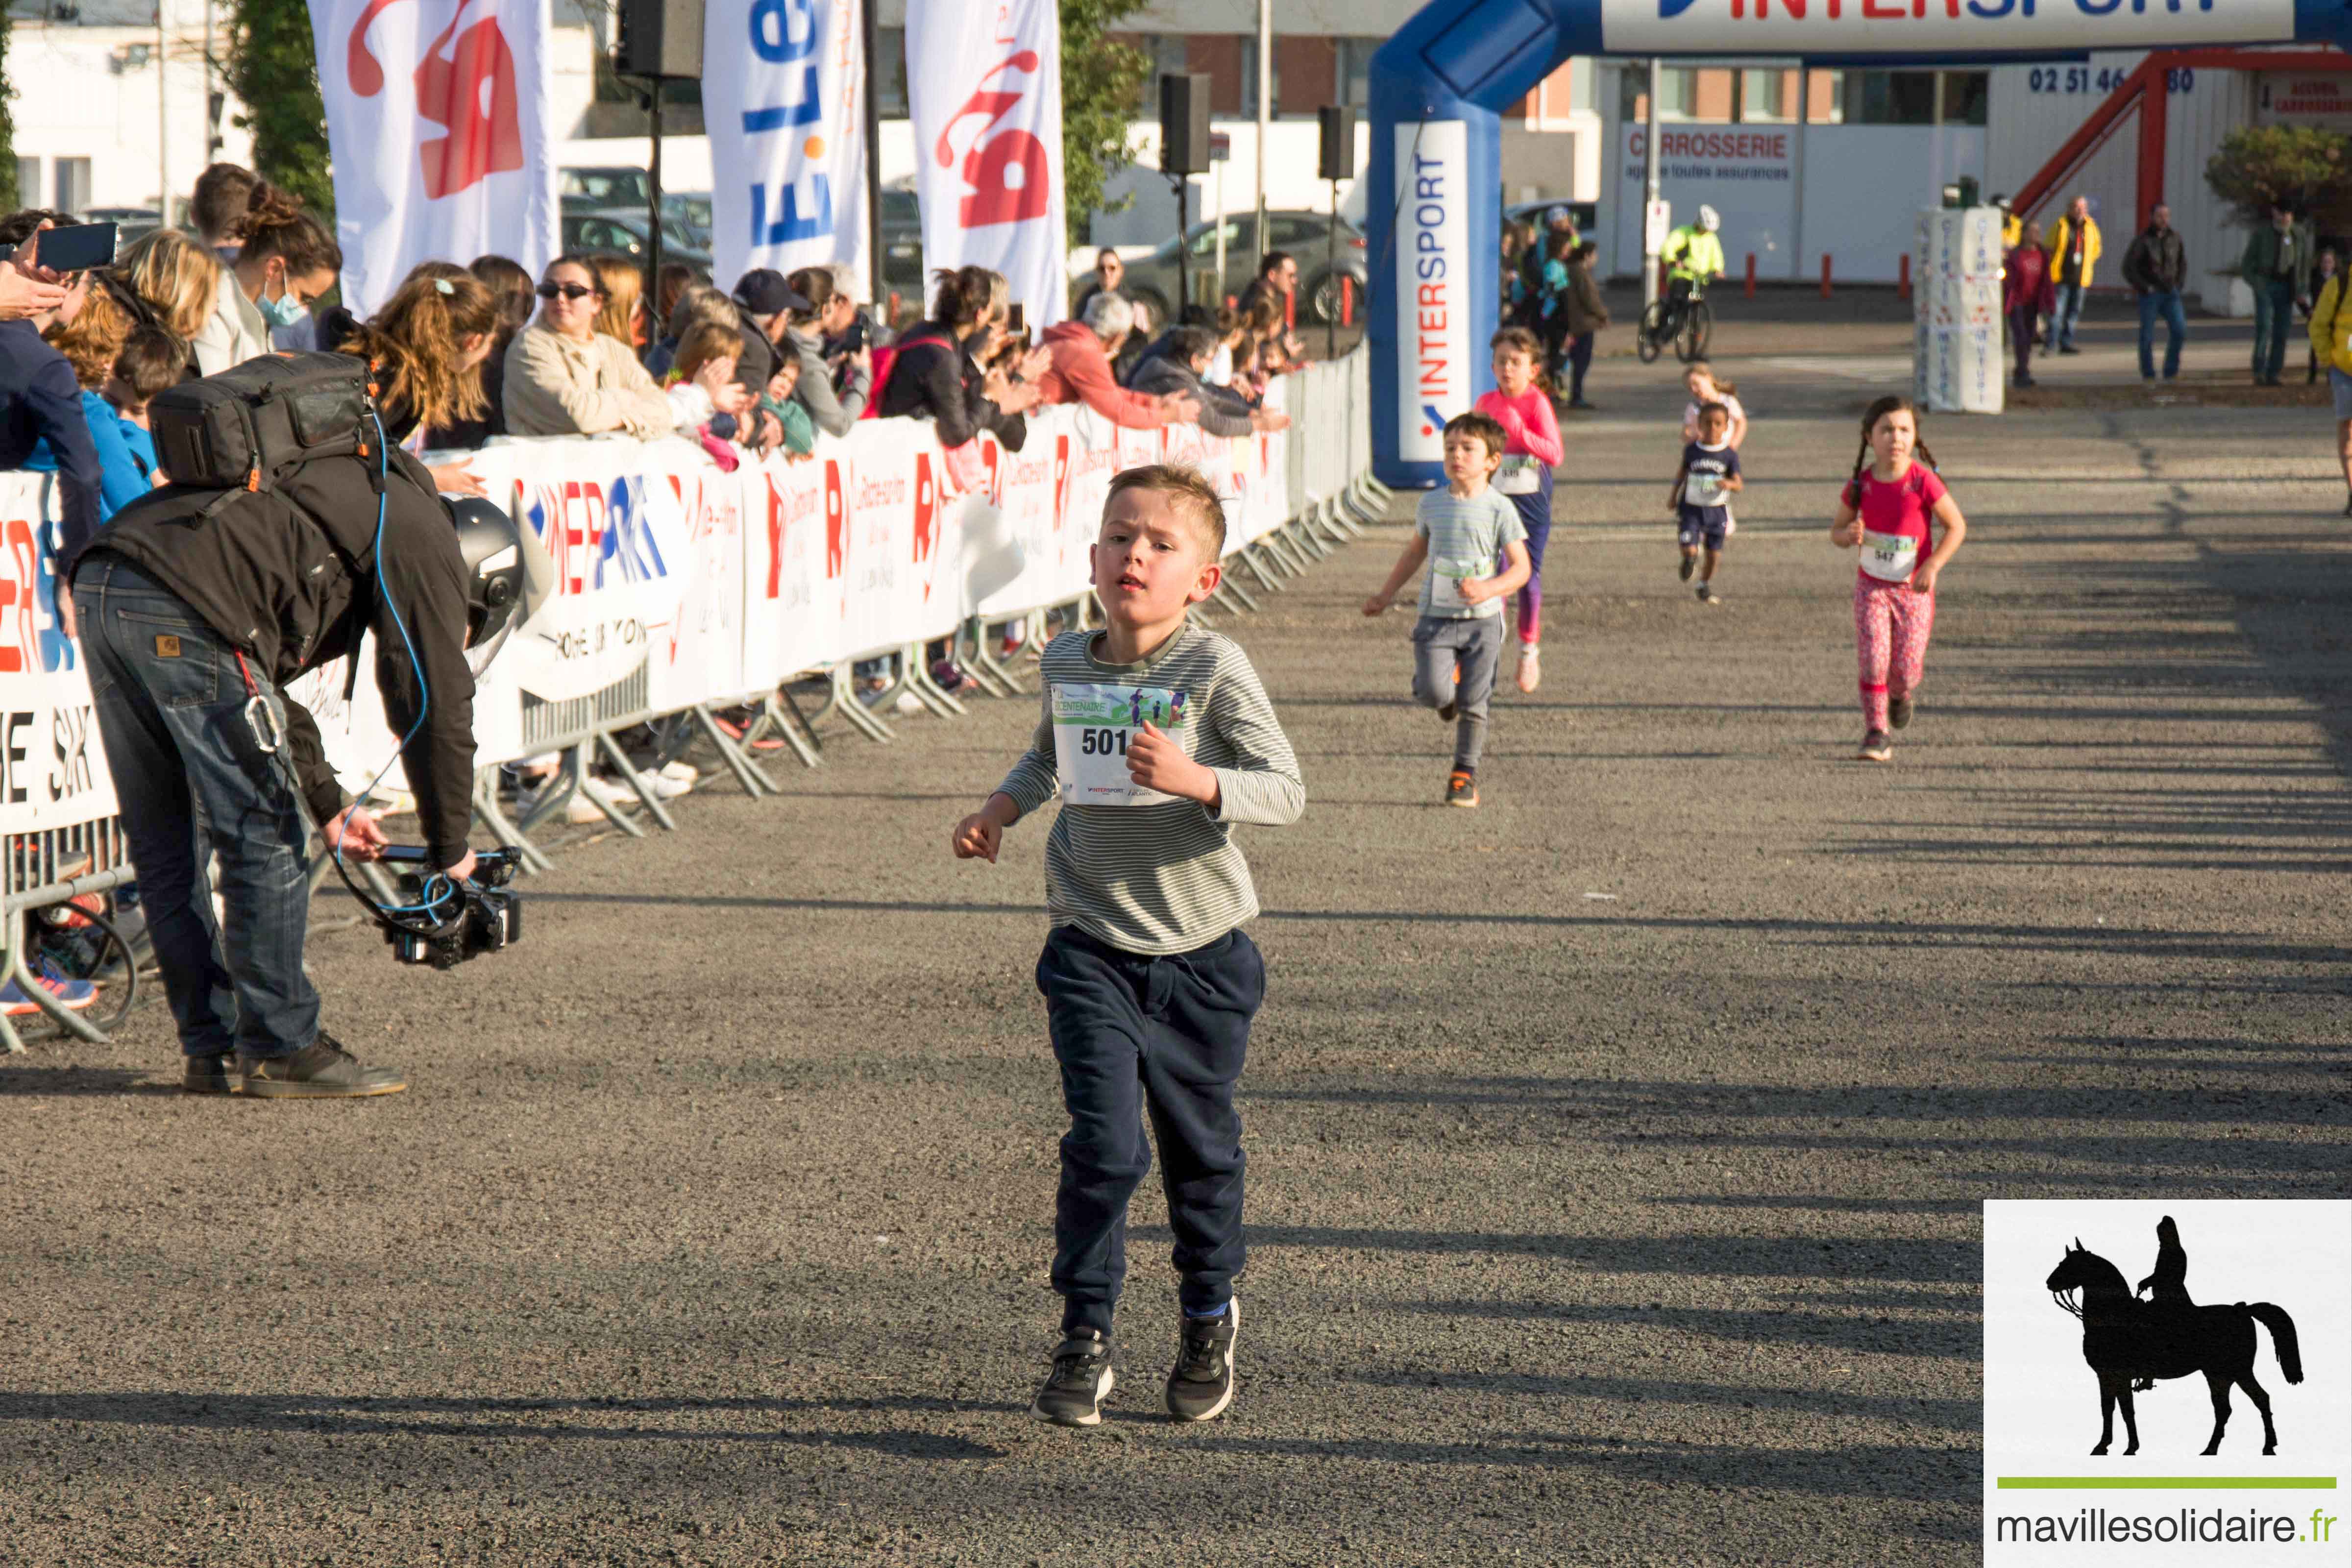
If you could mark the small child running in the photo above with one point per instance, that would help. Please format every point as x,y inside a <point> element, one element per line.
<point>1885,507</point>
<point>1709,474</point>
<point>1149,982</point>
<point>1462,532</point>
<point>1521,405</point>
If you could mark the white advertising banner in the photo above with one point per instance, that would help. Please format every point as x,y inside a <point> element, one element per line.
<point>1746,172</point>
<point>437,118</point>
<point>1937,30</point>
<point>784,87</point>
<point>1432,284</point>
<point>52,765</point>
<point>676,582</point>
<point>984,79</point>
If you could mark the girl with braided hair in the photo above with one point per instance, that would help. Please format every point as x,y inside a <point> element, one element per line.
<point>1887,508</point>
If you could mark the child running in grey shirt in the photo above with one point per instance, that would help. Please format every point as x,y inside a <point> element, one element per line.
<point>1157,737</point>
<point>1466,532</point>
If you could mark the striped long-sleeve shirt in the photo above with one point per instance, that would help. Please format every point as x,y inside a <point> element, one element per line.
<point>1166,878</point>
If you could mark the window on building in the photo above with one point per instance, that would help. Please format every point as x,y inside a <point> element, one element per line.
<point>1965,96</point>
<point>1678,93</point>
<point>1890,97</point>
<point>72,184</point>
<point>28,181</point>
<point>1825,97</point>
<point>1249,77</point>
<point>1355,70</point>
<point>890,72</point>
<point>1765,95</point>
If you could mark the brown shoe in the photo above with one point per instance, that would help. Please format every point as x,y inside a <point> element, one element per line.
<point>206,1075</point>
<point>321,1071</point>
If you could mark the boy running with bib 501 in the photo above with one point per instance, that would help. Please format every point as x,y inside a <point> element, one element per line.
<point>1156,738</point>
<point>1462,532</point>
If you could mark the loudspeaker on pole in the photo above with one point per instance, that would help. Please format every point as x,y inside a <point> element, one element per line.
<point>660,38</point>
<point>1338,162</point>
<point>1184,123</point>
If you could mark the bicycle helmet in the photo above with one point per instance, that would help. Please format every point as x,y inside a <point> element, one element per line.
<point>1708,219</point>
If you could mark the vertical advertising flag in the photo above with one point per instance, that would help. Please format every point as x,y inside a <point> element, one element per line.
<point>437,121</point>
<point>783,93</point>
<point>984,80</point>
<point>1433,285</point>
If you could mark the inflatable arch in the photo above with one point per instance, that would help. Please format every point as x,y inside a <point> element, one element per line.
<point>1440,85</point>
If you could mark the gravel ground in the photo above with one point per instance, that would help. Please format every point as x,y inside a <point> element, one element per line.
<point>1616,1149</point>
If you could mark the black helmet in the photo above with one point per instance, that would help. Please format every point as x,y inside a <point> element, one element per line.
<point>492,546</point>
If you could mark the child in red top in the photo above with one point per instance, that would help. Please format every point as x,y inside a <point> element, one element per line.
<point>1521,403</point>
<point>1886,509</point>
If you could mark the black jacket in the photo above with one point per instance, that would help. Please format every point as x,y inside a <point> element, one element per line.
<point>291,576</point>
<point>2155,263</point>
<point>935,377</point>
<point>38,397</point>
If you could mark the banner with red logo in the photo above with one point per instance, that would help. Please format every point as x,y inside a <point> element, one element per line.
<point>783,85</point>
<point>52,765</point>
<point>437,121</point>
<point>984,79</point>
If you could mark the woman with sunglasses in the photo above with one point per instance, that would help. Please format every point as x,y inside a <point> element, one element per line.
<point>565,378</point>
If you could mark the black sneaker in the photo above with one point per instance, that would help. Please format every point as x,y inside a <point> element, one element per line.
<point>2068,349</point>
<point>1898,711</point>
<point>1201,1385</point>
<point>1579,403</point>
<point>1707,595</point>
<point>1081,1380</point>
<point>1462,788</point>
<point>1875,748</point>
<point>1690,564</point>
<point>206,1075</point>
<point>321,1071</point>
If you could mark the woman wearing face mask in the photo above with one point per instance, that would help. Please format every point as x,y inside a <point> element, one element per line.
<point>565,378</point>
<point>286,259</point>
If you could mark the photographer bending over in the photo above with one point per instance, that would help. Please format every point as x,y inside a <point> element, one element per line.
<point>197,604</point>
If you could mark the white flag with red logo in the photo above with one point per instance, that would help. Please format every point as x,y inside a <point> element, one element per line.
<point>984,80</point>
<point>784,95</point>
<point>437,120</point>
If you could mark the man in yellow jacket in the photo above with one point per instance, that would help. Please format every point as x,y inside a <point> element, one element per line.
<point>2073,252</point>
<point>2331,339</point>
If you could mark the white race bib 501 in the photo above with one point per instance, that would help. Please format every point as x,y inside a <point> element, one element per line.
<point>1092,726</point>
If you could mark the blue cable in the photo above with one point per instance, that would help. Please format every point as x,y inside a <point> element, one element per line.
<point>425,693</point>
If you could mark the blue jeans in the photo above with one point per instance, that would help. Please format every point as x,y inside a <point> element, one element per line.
<point>2176,331</point>
<point>1136,1034</point>
<point>2062,318</point>
<point>2274,323</point>
<point>195,783</point>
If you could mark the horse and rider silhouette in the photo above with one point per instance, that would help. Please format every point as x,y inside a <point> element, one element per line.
<point>2130,1343</point>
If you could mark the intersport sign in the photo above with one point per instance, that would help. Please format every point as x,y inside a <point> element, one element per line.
<point>1945,28</point>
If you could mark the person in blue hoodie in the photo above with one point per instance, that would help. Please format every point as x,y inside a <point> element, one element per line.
<point>90,343</point>
<point>40,400</point>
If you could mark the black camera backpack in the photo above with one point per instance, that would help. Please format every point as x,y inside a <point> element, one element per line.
<point>246,427</point>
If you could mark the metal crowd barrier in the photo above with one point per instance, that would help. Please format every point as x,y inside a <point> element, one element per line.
<point>1331,487</point>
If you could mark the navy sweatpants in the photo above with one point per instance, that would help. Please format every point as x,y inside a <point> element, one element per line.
<point>1164,1036</point>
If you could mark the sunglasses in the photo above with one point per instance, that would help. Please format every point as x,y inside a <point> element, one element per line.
<point>565,290</point>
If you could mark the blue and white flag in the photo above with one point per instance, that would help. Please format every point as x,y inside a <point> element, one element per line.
<point>784,95</point>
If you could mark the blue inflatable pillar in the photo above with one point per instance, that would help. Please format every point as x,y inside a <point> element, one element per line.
<point>1438,88</point>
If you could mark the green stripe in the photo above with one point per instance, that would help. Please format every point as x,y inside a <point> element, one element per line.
<point>2166,1483</point>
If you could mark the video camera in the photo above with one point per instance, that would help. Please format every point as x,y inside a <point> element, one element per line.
<point>444,923</point>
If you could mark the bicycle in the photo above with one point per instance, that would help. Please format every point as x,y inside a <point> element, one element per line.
<point>1682,317</point>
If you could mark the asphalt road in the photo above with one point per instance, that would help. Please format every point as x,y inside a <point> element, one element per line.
<point>1616,1149</point>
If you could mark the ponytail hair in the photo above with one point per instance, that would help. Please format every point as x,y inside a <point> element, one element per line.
<point>416,344</point>
<point>1722,388</point>
<point>964,295</point>
<point>274,224</point>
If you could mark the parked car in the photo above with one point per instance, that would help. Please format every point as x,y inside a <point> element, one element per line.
<point>902,244</point>
<point>625,233</point>
<point>1152,279</point>
<point>605,187</point>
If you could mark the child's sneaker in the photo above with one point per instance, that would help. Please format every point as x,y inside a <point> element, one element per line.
<point>1462,788</point>
<point>1875,748</point>
<point>1898,711</point>
<point>1690,564</point>
<point>1530,667</point>
<point>1081,1380</point>
<point>76,995</point>
<point>1201,1385</point>
<point>1706,595</point>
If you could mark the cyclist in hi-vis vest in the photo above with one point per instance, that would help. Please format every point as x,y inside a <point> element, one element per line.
<point>1693,254</point>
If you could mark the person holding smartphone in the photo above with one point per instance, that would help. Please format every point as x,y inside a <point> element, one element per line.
<point>40,397</point>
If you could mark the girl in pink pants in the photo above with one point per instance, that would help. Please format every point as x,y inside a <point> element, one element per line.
<point>1886,507</point>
